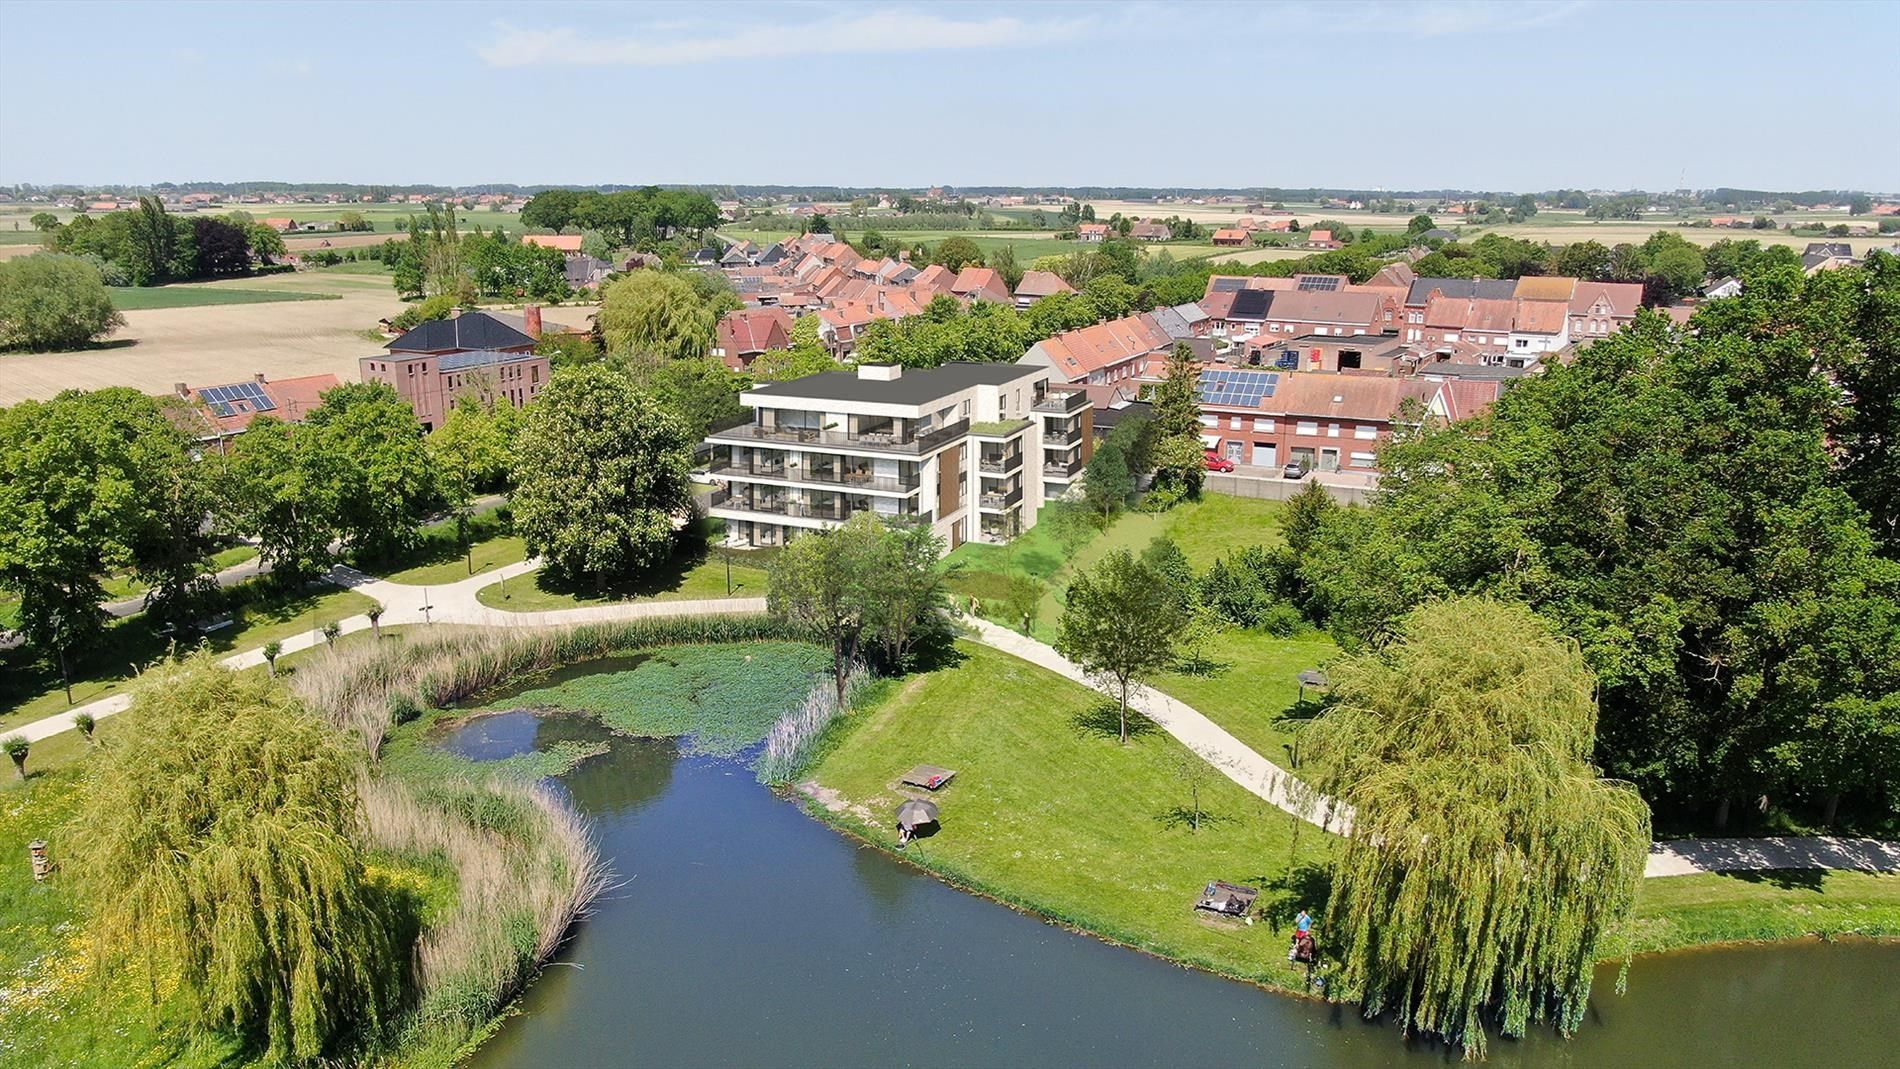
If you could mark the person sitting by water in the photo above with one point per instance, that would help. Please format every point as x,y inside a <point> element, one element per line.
<point>903,833</point>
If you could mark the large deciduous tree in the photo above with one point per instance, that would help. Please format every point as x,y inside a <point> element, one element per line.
<point>868,589</point>
<point>600,476</point>
<point>49,301</point>
<point>219,847</point>
<point>1120,621</point>
<point>1668,501</point>
<point>656,313</point>
<point>91,484</point>
<point>1487,861</point>
<point>376,454</point>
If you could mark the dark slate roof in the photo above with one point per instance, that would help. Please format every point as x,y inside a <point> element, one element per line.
<point>1831,248</point>
<point>1107,418</point>
<point>1250,304</point>
<point>1483,289</point>
<point>913,387</point>
<point>582,268</point>
<point>478,358</point>
<point>470,330</point>
<point>772,254</point>
<point>1229,284</point>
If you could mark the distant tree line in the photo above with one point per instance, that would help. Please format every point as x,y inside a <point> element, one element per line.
<point>147,246</point>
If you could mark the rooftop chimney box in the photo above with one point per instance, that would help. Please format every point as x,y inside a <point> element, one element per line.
<point>880,372</point>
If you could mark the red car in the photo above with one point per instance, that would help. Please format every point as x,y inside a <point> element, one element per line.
<point>1216,462</point>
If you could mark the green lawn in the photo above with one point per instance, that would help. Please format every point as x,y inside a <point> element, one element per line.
<point>30,689</point>
<point>1252,689</point>
<point>1679,911</point>
<point>199,295</point>
<point>439,559</point>
<point>1050,812</point>
<point>694,573</point>
<point>1204,529</point>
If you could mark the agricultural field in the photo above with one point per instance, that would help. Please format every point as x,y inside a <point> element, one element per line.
<point>207,333</point>
<point>18,238</point>
<point>190,295</point>
<point>1029,244</point>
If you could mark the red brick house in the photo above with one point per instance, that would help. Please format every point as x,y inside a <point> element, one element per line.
<point>478,353</point>
<point>741,336</point>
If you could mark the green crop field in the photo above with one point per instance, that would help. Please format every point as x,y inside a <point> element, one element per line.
<point>188,295</point>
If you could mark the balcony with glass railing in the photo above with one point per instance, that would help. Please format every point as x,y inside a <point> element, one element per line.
<point>1062,402</point>
<point>889,436</point>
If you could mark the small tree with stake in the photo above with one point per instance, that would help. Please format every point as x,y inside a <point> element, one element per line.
<point>375,615</point>
<point>86,724</point>
<point>273,650</point>
<point>1121,622</point>
<point>330,632</point>
<point>16,747</point>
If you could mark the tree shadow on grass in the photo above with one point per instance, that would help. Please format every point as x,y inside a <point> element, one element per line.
<point>1202,666</point>
<point>1306,886</point>
<point>1184,818</point>
<point>1782,879</point>
<point>1103,719</point>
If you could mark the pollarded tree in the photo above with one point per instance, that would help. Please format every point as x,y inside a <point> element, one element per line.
<point>49,301</point>
<point>1121,621</point>
<point>600,476</point>
<point>221,849</point>
<point>1487,861</point>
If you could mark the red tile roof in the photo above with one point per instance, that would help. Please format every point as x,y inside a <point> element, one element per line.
<point>1335,396</point>
<point>753,331</point>
<point>981,282</point>
<point>1042,284</point>
<point>1078,354</point>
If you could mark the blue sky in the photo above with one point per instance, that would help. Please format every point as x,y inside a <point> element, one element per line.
<point>1502,95</point>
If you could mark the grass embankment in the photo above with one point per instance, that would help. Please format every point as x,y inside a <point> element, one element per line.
<point>261,612</point>
<point>1051,813</point>
<point>194,295</point>
<point>698,570</point>
<point>1250,687</point>
<point>1683,911</point>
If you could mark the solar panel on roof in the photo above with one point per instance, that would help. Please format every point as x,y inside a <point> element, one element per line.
<point>1236,386</point>
<point>235,398</point>
<point>1319,283</point>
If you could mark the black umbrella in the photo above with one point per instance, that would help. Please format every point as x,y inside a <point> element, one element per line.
<point>914,814</point>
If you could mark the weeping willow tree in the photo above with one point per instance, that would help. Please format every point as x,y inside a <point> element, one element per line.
<point>1487,859</point>
<point>219,850</point>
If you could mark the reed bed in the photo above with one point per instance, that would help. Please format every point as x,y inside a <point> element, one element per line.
<point>793,737</point>
<point>525,875</point>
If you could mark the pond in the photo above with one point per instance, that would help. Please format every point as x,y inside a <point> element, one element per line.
<point>744,932</point>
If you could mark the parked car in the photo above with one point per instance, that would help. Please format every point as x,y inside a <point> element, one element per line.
<point>1295,470</point>
<point>1216,462</point>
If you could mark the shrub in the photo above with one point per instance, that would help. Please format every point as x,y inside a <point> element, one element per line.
<point>16,747</point>
<point>1282,620</point>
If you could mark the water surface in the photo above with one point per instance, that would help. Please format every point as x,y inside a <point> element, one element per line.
<point>746,933</point>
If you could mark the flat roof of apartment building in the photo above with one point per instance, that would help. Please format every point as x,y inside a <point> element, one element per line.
<point>891,385</point>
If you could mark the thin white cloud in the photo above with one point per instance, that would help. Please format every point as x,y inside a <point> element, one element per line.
<point>878,31</point>
<point>1445,18</point>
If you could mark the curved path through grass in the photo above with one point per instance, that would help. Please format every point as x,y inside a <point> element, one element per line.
<point>456,603</point>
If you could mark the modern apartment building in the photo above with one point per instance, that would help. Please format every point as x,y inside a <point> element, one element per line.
<point>960,447</point>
